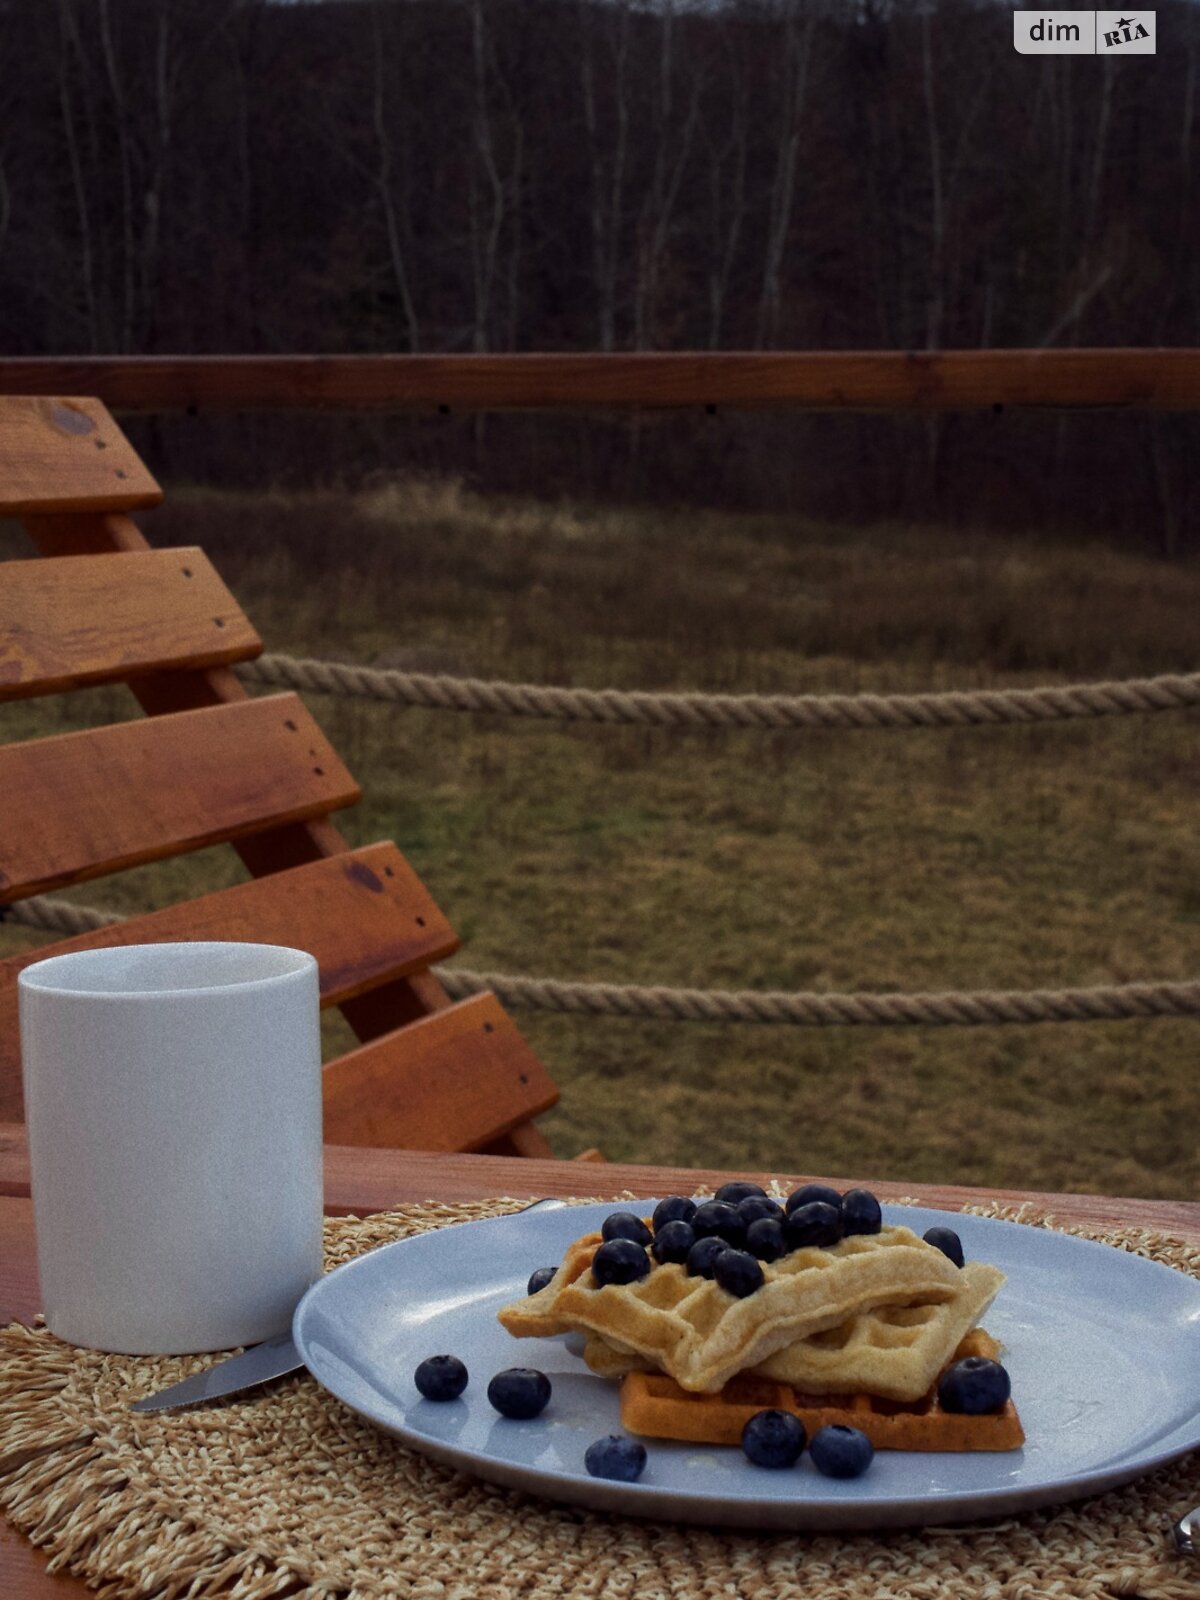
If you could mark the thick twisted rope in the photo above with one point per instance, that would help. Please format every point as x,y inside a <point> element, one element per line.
<point>951,1009</point>
<point>957,708</point>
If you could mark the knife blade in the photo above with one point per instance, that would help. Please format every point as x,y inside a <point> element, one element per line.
<point>262,1362</point>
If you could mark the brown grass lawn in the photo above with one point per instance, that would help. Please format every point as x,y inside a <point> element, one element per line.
<point>1005,858</point>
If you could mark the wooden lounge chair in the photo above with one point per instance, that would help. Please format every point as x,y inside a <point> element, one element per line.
<point>209,764</point>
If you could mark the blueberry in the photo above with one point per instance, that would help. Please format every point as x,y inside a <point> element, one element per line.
<point>816,1223</point>
<point>766,1240</point>
<point>731,1193</point>
<point>539,1279</point>
<point>625,1225</point>
<point>841,1452</point>
<point>947,1241</point>
<point>773,1439</point>
<point>720,1218</point>
<point>672,1242</point>
<point>519,1392</point>
<point>974,1385</point>
<point>809,1193</point>
<point>616,1457</point>
<point>737,1272</point>
<point>755,1206</point>
<point>860,1212</point>
<point>441,1378</point>
<point>620,1261</point>
<point>674,1209</point>
<point>702,1255</point>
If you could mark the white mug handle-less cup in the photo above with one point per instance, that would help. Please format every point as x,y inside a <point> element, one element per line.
<point>173,1103</point>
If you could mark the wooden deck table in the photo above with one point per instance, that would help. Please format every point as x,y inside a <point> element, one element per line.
<point>358,1181</point>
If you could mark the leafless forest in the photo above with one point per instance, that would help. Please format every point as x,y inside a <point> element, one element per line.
<point>469,175</point>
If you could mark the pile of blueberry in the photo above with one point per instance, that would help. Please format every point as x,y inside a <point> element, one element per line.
<point>731,1236</point>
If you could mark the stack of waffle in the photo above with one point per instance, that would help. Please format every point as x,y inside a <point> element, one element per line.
<point>857,1332</point>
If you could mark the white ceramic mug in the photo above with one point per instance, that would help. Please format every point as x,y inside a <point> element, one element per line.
<point>173,1103</point>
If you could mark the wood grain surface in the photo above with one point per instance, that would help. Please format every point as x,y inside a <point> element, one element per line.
<point>867,380</point>
<point>61,454</point>
<point>76,620</point>
<point>455,1081</point>
<point>78,805</point>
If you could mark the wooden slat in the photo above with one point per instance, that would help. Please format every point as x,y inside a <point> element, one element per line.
<point>83,804</point>
<point>61,454</point>
<point>453,1081</point>
<point>77,620</point>
<point>947,380</point>
<point>364,915</point>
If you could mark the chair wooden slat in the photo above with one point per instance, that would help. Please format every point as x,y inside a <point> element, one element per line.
<point>364,915</point>
<point>83,804</point>
<point>78,620</point>
<point>67,455</point>
<point>455,1081</point>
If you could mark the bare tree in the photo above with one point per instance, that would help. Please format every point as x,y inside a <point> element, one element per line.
<point>5,201</point>
<point>385,183</point>
<point>72,58</point>
<point>121,119</point>
<point>608,153</point>
<point>799,22</point>
<point>672,145</point>
<point>935,304</point>
<point>491,191</point>
<point>725,161</point>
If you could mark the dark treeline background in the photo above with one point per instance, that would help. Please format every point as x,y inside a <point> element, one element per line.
<point>471,175</point>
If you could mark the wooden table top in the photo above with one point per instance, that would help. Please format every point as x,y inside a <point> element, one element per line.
<point>359,1181</point>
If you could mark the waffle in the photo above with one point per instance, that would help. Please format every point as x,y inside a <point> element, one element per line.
<point>654,1405</point>
<point>893,1352</point>
<point>695,1332</point>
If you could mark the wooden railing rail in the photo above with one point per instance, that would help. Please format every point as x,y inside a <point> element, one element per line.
<point>876,380</point>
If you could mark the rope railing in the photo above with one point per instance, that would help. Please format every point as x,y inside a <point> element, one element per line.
<point>980,1008</point>
<point>959,708</point>
<point>955,708</point>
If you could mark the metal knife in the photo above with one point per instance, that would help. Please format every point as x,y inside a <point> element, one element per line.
<point>259,1364</point>
<point>262,1362</point>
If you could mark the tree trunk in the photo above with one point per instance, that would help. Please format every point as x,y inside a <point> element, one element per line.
<point>384,160</point>
<point>608,183</point>
<point>797,50</point>
<point>726,227</point>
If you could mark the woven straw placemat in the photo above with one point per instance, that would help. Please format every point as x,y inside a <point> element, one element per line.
<point>291,1494</point>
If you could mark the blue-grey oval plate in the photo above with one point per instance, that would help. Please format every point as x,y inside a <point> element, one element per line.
<point>1103,1348</point>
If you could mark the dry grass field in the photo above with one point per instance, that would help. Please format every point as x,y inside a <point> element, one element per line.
<point>1005,858</point>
